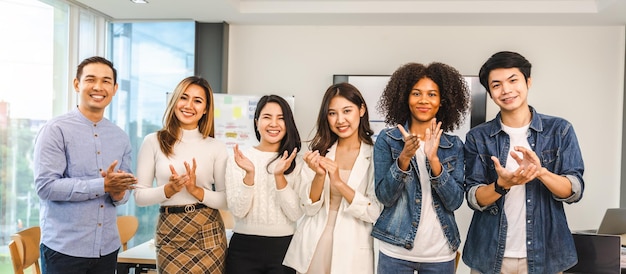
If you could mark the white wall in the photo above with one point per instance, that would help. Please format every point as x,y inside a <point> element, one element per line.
<point>577,74</point>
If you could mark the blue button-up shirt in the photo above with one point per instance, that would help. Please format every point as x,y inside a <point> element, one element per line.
<point>77,217</point>
<point>401,192</point>
<point>550,246</point>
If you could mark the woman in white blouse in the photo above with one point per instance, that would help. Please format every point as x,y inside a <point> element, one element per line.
<point>337,190</point>
<point>260,184</point>
<point>189,167</point>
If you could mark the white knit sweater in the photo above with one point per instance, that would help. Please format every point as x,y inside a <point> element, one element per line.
<point>261,209</point>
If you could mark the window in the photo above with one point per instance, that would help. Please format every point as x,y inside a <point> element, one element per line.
<point>151,58</point>
<point>37,64</point>
<point>48,38</point>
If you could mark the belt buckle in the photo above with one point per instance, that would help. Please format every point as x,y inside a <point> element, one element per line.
<point>190,208</point>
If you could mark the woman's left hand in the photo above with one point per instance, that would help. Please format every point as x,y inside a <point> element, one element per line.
<point>284,162</point>
<point>333,171</point>
<point>431,140</point>
<point>190,185</point>
<point>431,146</point>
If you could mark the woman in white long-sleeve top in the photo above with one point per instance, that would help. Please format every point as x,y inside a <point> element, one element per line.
<point>260,189</point>
<point>188,165</point>
<point>337,190</point>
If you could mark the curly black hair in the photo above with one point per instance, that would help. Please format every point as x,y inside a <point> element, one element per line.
<point>454,92</point>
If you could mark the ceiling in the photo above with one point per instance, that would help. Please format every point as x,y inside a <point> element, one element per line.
<point>370,12</point>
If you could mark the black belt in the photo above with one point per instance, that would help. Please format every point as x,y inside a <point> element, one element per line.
<point>181,209</point>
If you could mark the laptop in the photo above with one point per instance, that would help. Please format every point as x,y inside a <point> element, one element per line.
<point>613,223</point>
<point>597,253</point>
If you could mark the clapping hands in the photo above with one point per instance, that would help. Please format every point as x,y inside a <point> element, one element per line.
<point>116,183</point>
<point>529,167</point>
<point>284,162</point>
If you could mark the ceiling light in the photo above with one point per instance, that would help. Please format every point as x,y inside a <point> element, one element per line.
<point>139,1</point>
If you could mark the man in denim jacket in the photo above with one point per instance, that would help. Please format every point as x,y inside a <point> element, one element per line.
<point>520,168</point>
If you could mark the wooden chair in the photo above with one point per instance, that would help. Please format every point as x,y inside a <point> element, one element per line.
<point>127,226</point>
<point>456,260</point>
<point>24,249</point>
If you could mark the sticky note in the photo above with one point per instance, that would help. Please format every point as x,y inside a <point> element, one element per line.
<point>237,112</point>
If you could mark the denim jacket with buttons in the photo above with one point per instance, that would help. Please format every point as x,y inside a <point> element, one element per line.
<point>550,247</point>
<point>401,194</point>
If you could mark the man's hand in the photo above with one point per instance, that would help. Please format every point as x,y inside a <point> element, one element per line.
<point>116,183</point>
<point>528,158</point>
<point>526,172</point>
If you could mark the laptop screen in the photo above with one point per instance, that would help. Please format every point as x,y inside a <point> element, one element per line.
<point>614,222</point>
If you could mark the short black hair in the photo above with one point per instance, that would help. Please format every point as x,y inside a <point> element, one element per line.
<point>503,59</point>
<point>93,60</point>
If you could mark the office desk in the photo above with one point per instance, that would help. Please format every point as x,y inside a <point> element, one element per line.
<point>139,257</point>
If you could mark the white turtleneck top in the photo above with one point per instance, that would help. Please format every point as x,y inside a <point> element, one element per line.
<point>210,155</point>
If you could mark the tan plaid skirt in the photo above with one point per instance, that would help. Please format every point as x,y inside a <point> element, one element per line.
<point>192,242</point>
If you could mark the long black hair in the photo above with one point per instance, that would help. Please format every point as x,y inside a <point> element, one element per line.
<point>291,139</point>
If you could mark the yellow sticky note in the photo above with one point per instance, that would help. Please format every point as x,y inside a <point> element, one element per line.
<point>217,113</point>
<point>237,112</point>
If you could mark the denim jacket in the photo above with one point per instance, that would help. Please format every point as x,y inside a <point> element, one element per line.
<point>401,194</point>
<point>550,247</point>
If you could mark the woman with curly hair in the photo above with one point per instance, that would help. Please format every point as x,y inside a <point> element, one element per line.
<point>419,169</point>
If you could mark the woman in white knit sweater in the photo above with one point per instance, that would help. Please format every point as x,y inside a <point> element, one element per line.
<point>260,185</point>
<point>188,165</point>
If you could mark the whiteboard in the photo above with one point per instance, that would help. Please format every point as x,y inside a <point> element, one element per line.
<point>234,119</point>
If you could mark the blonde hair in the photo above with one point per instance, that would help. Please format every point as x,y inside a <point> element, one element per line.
<point>170,133</point>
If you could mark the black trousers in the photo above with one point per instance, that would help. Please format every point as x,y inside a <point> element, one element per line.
<point>53,262</point>
<point>251,254</point>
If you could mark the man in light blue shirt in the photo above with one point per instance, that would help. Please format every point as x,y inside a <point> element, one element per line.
<point>82,172</point>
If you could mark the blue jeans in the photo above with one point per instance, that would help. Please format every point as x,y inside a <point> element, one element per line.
<point>53,262</point>
<point>389,265</point>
